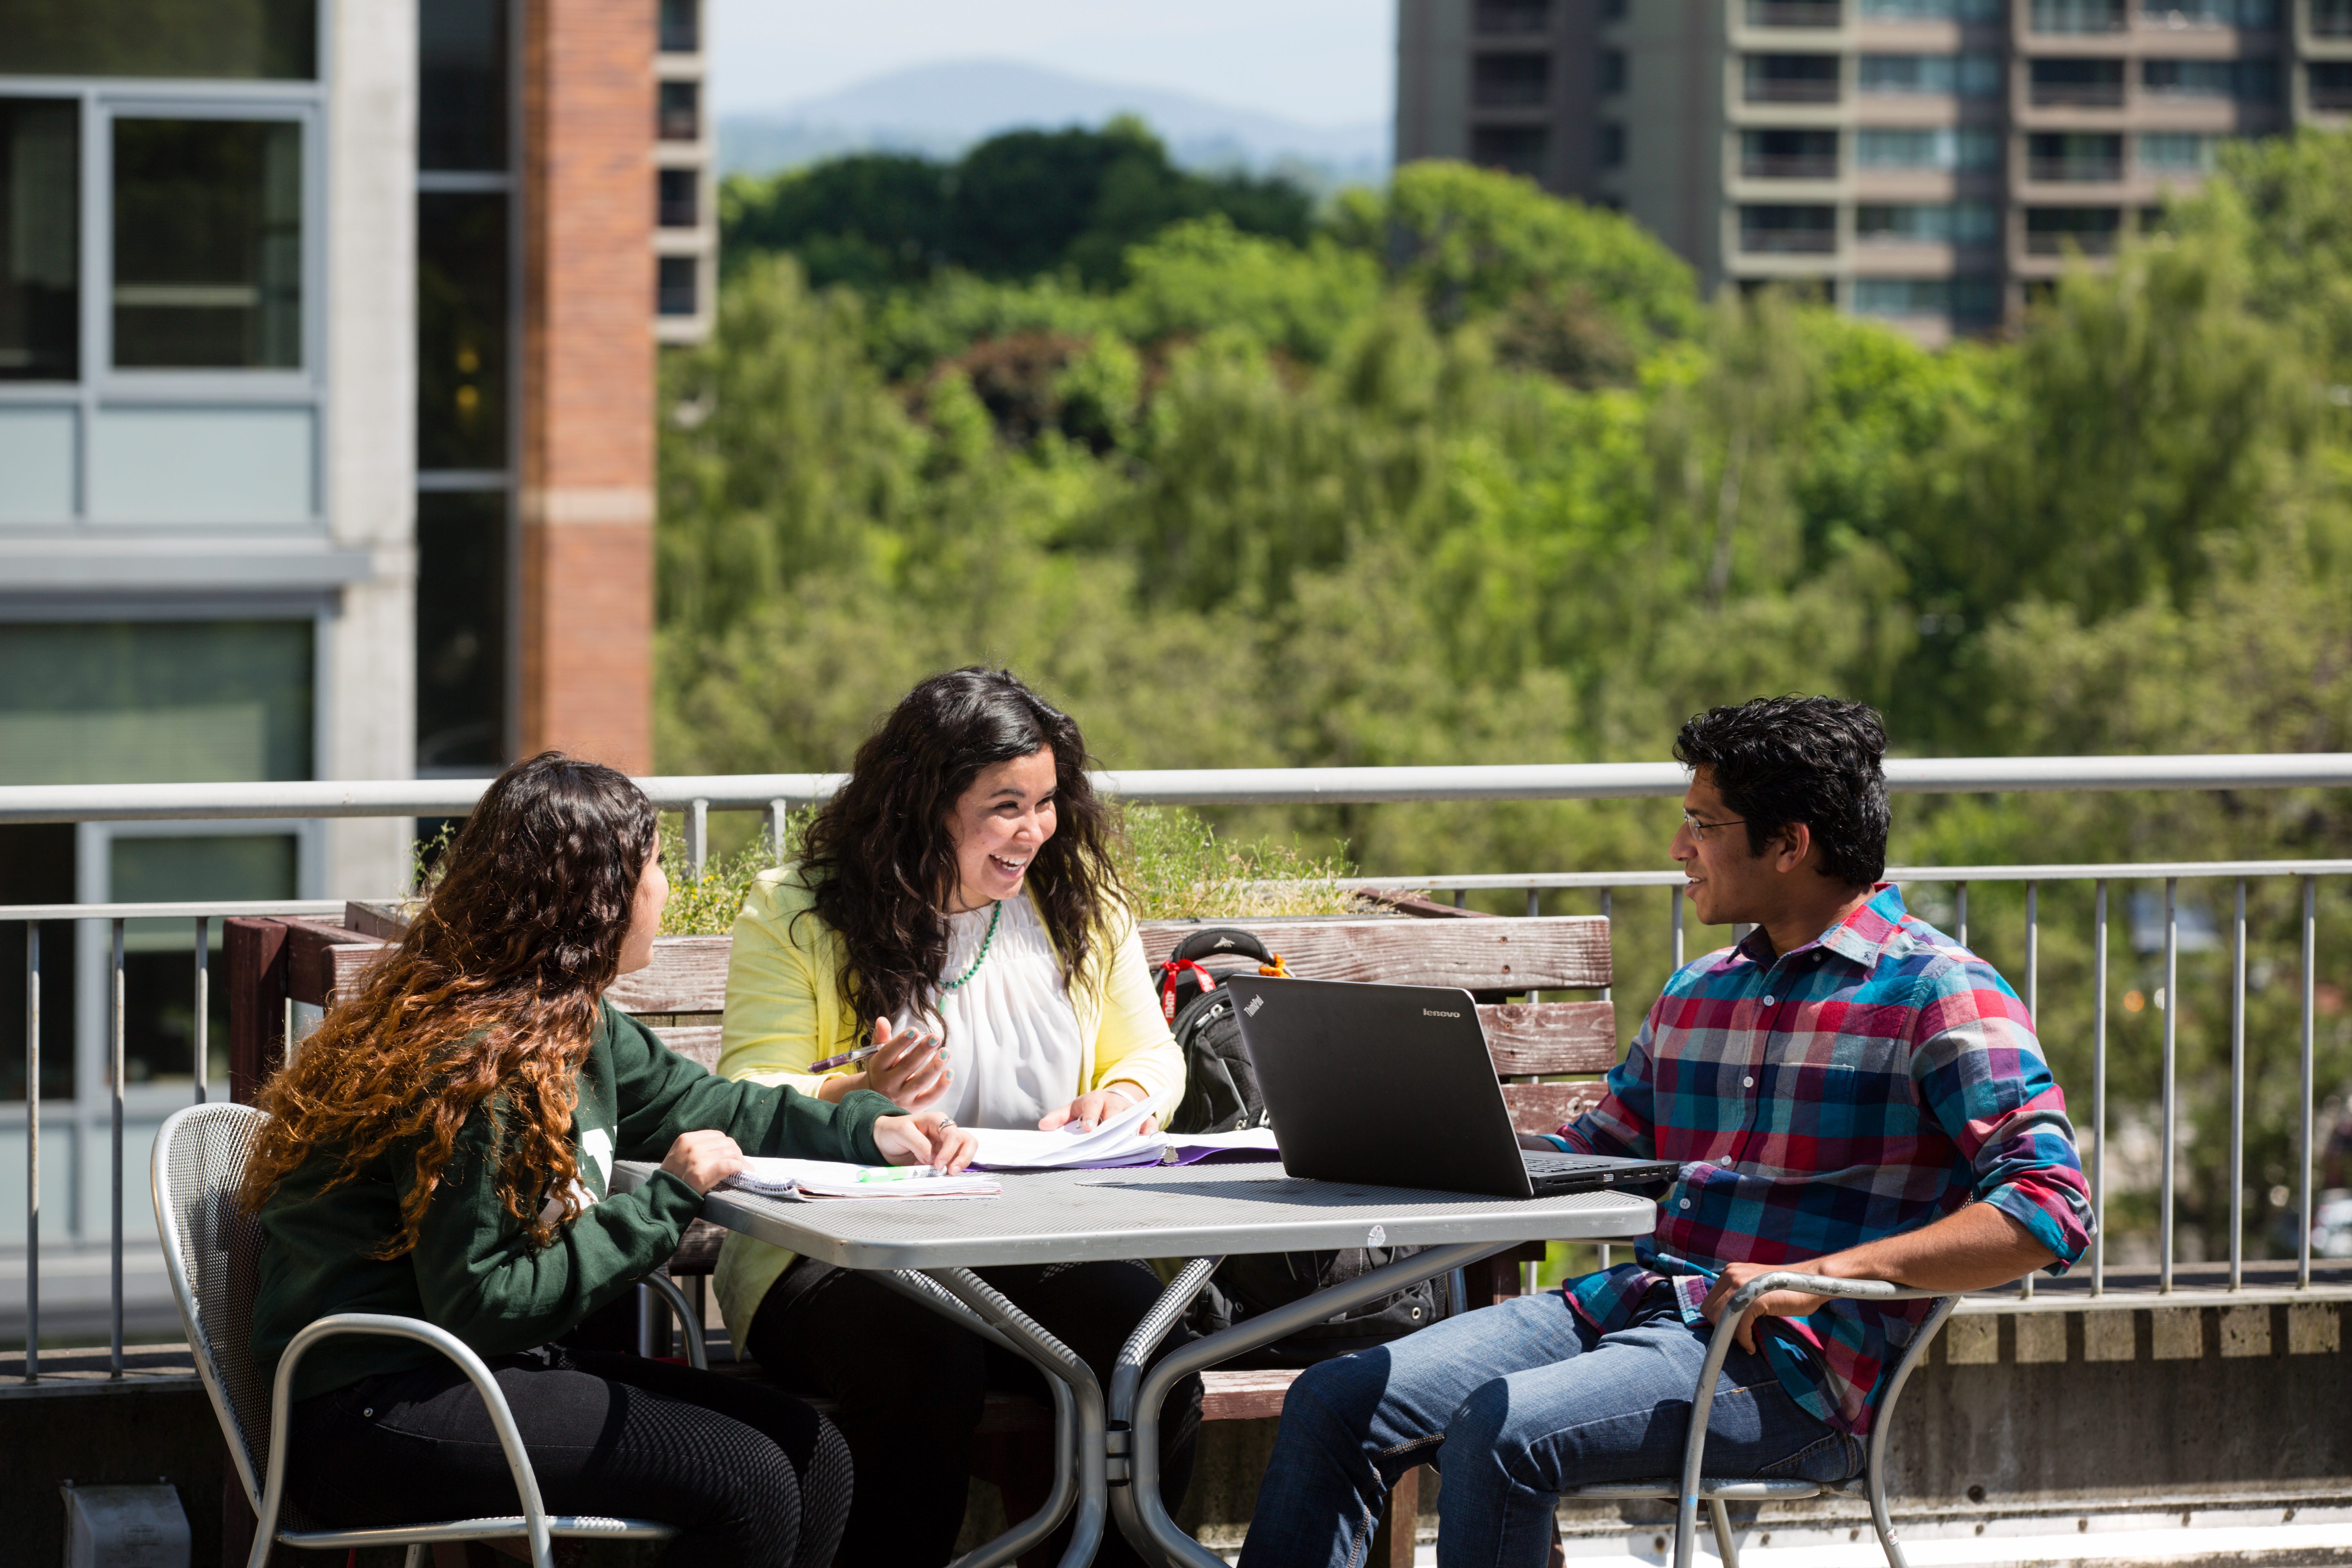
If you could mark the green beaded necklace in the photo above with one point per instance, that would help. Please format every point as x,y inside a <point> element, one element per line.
<point>979,959</point>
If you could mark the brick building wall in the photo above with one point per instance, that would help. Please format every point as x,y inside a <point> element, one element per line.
<point>587,441</point>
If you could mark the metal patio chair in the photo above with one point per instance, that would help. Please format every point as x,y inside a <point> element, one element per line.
<point>1695,1486</point>
<point>211,1249</point>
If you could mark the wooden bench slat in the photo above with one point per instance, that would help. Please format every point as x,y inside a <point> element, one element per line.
<point>689,974</point>
<point>698,1043</point>
<point>1538,1039</point>
<point>1244,1395</point>
<point>1543,954</point>
<point>1548,1107</point>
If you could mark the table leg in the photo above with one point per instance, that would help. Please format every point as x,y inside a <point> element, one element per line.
<point>1004,1548</point>
<point>1135,1403</point>
<point>1061,1365</point>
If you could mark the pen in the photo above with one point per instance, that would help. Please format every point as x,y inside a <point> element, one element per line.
<point>843,1060</point>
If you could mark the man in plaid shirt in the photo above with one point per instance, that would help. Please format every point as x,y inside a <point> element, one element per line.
<point>1849,1091</point>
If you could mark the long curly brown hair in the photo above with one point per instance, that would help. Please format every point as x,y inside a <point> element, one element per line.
<point>879,860</point>
<point>492,996</point>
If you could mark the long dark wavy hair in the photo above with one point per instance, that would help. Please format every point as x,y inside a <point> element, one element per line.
<point>493,992</point>
<point>878,860</point>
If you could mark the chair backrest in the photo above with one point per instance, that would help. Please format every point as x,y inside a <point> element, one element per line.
<point>211,1249</point>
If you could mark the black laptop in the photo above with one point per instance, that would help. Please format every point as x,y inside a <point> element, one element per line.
<point>1391,1086</point>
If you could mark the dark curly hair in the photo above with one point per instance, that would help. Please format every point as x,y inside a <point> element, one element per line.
<point>1814,760</point>
<point>877,858</point>
<point>492,994</point>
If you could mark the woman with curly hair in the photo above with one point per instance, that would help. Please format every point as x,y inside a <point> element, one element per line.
<point>440,1149</point>
<point>955,904</point>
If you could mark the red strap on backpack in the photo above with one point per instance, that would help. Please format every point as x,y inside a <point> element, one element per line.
<point>1167,972</point>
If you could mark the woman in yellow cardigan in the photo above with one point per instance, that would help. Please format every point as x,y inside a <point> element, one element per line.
<point>956,905</point>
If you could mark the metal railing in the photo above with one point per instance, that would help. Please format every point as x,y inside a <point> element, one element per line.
<point>776,795</point>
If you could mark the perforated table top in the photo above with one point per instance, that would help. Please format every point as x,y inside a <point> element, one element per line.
<point>1172,1211</point>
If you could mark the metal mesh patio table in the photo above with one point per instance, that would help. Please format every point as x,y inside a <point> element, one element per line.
<point>1106,1442</point>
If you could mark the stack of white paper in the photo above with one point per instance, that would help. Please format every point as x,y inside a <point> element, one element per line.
<point>1113,1143</point>
<point>837,1179</point>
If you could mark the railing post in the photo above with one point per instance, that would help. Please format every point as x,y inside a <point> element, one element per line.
<point>32,1151</point>
<point>115,1075</point>
<point>779,813</point>
<point>2310,976</point>
<point>2238,1090</point>
<point>698,836</point>
<point>1675,909</point>
<point>202,1030</point>
<point>2099,1090</point>
<point>2033,1000</point>
<point>1960,912</point>
<point>2169,1000</point>
<point>1609,914</point>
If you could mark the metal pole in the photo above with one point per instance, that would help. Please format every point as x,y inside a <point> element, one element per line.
<point>2238,1091</point>
<point>114,1365</point>
<point>1675,906</point>
<point>1960,912</point>
<point>2310,967</point>
<point>32,1151</point>
<point>1607,913</point>
<point>203,1003</point>
<point>698,836</point>
<point>2169,1000</point>
<point>1534,902</point>
<point>2033,1000</point>
<point>1461,898</point>
<point>779,818</point>
<point>2099,1091</point>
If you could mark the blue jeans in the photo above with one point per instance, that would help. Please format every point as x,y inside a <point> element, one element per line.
<point>1514,1403</point>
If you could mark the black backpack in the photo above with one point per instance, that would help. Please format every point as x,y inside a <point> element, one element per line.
<point>1220,1087</point>
<point>1221,1094</point>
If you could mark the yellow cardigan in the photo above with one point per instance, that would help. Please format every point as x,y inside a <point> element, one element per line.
<point>784,1011</point>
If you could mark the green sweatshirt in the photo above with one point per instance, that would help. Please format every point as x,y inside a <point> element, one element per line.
<point>473,1271</point>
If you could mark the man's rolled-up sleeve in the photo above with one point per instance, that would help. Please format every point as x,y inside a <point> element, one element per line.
<point>1981,1072</point>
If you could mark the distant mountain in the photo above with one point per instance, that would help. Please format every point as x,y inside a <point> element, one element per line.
<point>940,109</point>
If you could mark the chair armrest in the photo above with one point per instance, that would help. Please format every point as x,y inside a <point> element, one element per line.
<point>698,1353</point>
<point>440,1338</point>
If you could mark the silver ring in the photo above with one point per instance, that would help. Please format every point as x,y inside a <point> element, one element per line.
<point>945,1124</point>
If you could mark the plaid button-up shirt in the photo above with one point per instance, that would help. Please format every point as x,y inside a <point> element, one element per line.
<point>1871,1081</point>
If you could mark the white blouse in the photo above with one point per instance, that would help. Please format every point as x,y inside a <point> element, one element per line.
<point>1012,1035</point>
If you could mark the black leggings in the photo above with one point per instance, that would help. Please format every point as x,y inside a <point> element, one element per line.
<point>753,1478</point>
<point>911,1384</point>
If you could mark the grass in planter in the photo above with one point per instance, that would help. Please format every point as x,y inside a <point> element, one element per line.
<point>1175,865</point>
<point>1177,868</point>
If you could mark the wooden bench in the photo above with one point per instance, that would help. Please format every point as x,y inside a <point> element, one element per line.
<point>681,996</point>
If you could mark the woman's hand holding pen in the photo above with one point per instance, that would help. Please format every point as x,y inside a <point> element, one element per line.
<point>929,1139</point>
<point>908,1068</point>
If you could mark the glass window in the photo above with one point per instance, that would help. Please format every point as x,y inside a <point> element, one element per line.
<point>679,118</point>
<point>461,113</point>
<point>1967,298</point>
<point>1511,17</point>
<point>1944,223</point>
<point>2212,13</point>
<point>155,701</point>
<point>158,996</point>
<point>1945,147</point>
<point>1969,75</point>
<point>461,330</point>
<point>1509,81</point>
<point>677,197</point>
<point>461,631</point>
<point>681,27</point>
<point>208,243</point>
<point>239,40</point>
<point>37,867</point>
<point>1931,10</point>
<point>677,286</point>
<point>40,230</point>
<point>2256,79</point>
<point>2177,151</point>
<point>1519,149</point>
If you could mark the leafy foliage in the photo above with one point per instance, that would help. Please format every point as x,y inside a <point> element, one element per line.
<point>1466,473</point>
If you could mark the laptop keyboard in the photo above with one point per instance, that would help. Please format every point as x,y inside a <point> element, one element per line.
<point>1566,1164</point>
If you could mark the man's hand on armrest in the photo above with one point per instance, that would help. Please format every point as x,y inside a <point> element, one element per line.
<point>1975,1249</point>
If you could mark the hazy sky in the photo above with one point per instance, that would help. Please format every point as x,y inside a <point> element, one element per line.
<point>1327,62</point>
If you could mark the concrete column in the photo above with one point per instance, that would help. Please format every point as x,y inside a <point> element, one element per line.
<point>587,448</point>
<point>367,656</point>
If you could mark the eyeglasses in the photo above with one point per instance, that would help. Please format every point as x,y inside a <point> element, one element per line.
<point>1698,829</point>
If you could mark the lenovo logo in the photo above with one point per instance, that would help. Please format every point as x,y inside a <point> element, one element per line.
<point>1433,1012</point>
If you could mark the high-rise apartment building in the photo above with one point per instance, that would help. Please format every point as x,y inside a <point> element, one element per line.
<point>1926,161</point>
